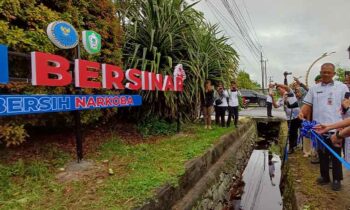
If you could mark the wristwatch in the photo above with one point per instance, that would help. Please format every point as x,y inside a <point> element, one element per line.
<point>337,134</point>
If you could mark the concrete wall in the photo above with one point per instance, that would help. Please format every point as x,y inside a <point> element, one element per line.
<point>229,170</point>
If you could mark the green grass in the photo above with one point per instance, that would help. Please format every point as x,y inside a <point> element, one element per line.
<point>152,165</point>
<point>139,171</point>
<point>24,183</point>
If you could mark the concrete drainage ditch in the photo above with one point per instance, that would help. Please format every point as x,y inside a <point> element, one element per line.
<point>215,180</point>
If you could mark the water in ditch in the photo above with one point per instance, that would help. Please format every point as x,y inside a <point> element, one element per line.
<point>262,177</point>
<point>259,185</point>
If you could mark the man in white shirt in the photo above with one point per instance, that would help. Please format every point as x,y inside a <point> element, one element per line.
<point>324,100</point>
<point>269,101</point>
<point>233,104</point>
<point>221,104</point>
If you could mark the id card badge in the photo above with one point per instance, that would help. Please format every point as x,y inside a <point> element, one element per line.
<point>330,99</point>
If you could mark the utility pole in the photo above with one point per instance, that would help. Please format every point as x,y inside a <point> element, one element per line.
<point>262,73</point>
<point>270,80</point>
<point>265,74</point>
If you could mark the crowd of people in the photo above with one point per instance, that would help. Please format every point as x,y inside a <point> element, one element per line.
<point>327,103</point>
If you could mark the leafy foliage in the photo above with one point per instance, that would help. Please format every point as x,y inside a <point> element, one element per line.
<point>162,33</point>
<point>25,23</point>
<point>159,34</point>
<point>340,73</point>
<point>244,81</point>
<point>155,126</point>
<point>12,134</point>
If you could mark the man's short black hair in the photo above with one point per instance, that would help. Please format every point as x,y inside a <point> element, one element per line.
<point>328,64</point>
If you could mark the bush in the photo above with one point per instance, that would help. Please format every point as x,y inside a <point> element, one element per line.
<point>155,126</point>
<point>25,23</point>
<point>12,134</point>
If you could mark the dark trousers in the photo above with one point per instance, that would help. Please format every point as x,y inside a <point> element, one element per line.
<point>293,132</point>
<point>269,108</point>
<point>220,115</point>
<point>232,113</point>
<point>324,156</point>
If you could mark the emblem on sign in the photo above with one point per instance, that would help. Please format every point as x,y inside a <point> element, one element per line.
<point>62,34</point>
<point>92,41</point>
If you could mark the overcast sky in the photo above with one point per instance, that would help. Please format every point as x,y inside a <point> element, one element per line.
<point>293,33</point>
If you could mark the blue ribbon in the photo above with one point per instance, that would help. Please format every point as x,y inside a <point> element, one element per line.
<point>307,131</point>
<point>319,138</point>
<point>305,128</point>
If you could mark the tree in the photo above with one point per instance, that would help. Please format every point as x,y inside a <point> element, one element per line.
<point>24,23</point>
<point>340,73</point>
<point>163,33</point>
<point>244,81</point>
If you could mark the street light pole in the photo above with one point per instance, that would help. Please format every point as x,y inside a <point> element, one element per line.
<point>308,71</point>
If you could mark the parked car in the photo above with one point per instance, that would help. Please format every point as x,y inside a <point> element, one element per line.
<point>254,97</point>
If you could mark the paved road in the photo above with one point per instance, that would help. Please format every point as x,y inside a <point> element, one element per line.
<point>257,112</point>
<point>262,112</point>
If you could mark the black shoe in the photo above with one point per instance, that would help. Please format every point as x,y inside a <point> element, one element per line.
<point>336,185</point>
<point>291,151</point>
<point>269,115</point>
<point>322,181</point>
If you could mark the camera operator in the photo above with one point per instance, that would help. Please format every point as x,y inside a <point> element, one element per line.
<point>221,104</point>
<point>233,103</point>
<point>291,107</point>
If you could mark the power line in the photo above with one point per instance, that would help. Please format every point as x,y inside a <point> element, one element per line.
<point>212,6</point>
<point>241,23</point>
<point>245,31</point>
<point>242,31</point>
<point>251,22</point>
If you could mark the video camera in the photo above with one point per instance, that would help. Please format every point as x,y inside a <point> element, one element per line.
<point>287,73</point>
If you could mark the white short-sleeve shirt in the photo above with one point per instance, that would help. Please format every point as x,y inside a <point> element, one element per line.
<point>326,100</point>
<point>233,98</point>
<point>223,98</point>
<point>268,97</point>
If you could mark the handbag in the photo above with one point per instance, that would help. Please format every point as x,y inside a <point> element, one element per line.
<point>218,101</point>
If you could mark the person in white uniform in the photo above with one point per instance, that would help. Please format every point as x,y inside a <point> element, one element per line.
<point>344,134</point>
<point>233,103</point>
<point>324,100</point>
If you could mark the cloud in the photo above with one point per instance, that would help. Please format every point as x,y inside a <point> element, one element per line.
<point>293,33</point>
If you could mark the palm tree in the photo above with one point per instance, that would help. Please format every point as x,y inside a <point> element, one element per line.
<point>162,33</point>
